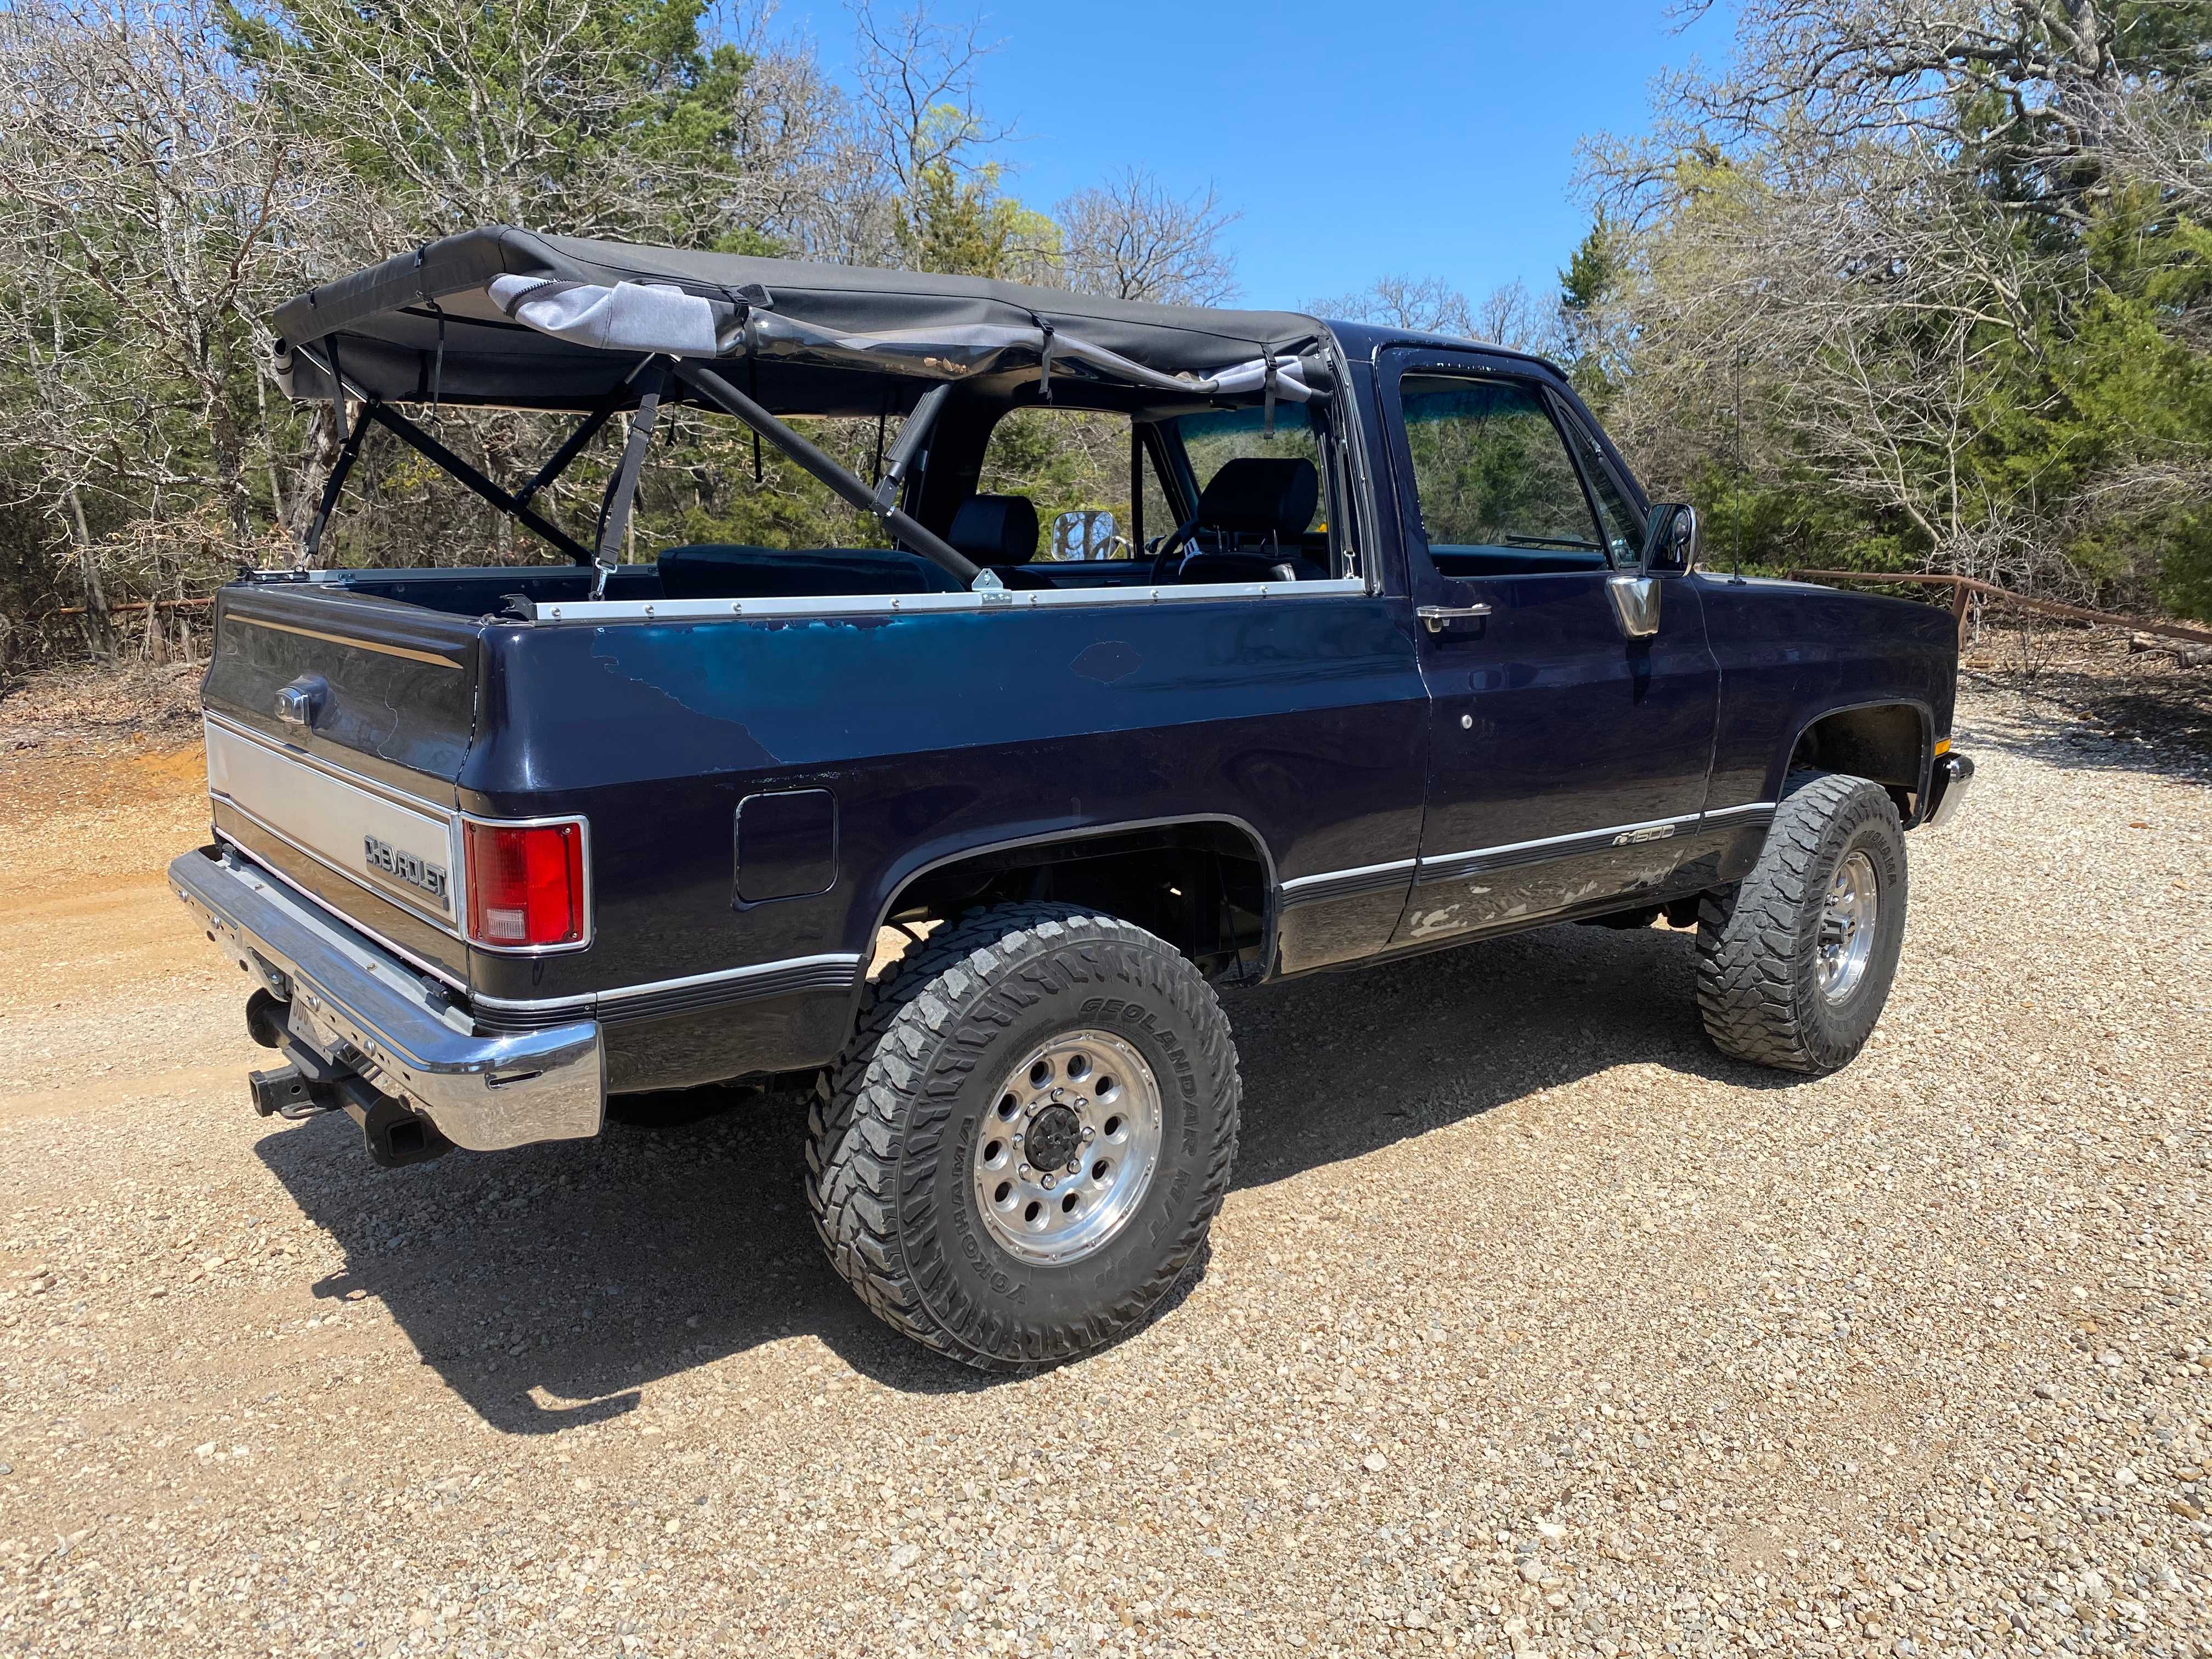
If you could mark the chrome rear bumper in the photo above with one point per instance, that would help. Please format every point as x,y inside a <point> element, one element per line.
<point>369,1012</point>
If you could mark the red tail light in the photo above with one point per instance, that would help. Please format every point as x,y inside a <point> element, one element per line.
<point>526,883</point>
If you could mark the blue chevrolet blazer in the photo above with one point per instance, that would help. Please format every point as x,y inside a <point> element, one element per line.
<point>1378,648</point>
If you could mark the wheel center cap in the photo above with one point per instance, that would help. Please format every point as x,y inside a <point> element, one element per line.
<point>1054,1135</point>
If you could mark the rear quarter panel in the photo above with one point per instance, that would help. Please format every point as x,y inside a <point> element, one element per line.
<point>938,734</point>
<point>1789,653</point>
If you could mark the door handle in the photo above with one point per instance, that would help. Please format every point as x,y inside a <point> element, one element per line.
<point>1436,618</point>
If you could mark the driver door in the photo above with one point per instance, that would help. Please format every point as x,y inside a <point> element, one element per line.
<point>1568,755</point>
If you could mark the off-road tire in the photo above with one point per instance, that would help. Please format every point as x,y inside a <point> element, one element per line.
<point>889,1172</point>
<point>1758,961</point>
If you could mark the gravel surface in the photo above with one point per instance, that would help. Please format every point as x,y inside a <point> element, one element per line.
<point>1531,1324</point>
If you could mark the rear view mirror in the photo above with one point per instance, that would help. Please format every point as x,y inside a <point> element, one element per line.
<point>1087,534</point>
<point>1673,541</point>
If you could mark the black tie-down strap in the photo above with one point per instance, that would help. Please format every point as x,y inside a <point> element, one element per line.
<point>614,517</point>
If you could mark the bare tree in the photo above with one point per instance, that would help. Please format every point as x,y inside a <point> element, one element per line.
<point>1133,239</point>
<point>1506,316</point>
<point>915,90</point>
<point>153,211</point>
<point>2026,85</point>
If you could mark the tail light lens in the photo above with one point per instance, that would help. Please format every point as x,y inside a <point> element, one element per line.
<point>526,883</point>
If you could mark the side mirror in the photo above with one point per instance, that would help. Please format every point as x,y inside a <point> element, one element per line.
<point>1087,534</point>
<point>1672,542</point>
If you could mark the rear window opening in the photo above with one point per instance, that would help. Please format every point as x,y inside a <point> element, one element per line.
<point>1053,496</point>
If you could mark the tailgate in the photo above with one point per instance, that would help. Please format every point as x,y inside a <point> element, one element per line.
<point>337,724</point>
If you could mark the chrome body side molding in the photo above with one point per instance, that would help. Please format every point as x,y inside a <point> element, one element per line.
<point>1449,866</point>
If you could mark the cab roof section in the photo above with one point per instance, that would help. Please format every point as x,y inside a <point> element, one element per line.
<point>504,318</point>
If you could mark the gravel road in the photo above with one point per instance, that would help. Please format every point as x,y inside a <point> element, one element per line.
<point>1531,1324</point>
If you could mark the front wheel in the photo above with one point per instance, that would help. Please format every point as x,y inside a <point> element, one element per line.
<point>1021,1150</point>
<point>1794,964</point>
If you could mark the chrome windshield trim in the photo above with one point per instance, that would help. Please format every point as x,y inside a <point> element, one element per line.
<point>917,605</point>
<point>616,995</point>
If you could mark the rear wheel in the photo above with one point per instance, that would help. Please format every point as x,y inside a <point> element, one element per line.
<point>1794,964</point>
<point>1021,1151</point>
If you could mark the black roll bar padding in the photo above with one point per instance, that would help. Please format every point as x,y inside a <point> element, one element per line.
<point>913,435</point>
<point>333,486</point>
<point>828,472</point>
<point>431,449</point>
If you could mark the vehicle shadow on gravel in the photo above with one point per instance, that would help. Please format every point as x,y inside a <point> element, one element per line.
<point>547,1285</point>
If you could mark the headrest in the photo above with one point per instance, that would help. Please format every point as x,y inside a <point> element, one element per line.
<point>1259,496</point>
<point>995,529</point>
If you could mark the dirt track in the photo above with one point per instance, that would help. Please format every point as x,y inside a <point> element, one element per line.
<point>1531,1321</point>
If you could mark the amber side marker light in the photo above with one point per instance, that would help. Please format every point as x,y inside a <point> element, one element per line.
<point>1942,745</point>
<point>526,883</point>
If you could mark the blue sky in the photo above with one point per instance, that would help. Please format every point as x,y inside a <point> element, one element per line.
<point>1414,138</point>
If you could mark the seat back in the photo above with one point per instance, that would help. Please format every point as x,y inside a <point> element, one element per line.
<point>1250,517</point>
<point>995,530</point>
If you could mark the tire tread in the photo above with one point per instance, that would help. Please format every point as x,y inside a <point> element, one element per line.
<point>1749,994</point>
<point>857,1123</point>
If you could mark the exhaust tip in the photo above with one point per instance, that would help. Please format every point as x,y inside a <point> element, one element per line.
<point>264,1020</point>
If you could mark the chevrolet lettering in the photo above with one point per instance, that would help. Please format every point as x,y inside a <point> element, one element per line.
<point>1352,643</point>
<point>404,866</point>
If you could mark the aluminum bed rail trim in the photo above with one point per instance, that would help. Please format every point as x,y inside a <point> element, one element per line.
<point>882,604</point>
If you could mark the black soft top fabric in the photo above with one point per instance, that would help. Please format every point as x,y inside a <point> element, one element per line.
<point>385,323</point>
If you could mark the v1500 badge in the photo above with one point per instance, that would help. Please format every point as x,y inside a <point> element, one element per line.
<point>405,866</point>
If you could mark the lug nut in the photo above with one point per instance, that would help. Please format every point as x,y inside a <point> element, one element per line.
<point>1073,1166</point>
<point>1017,1140</point>
<point>1088,1133</point>
<point>1047,1183</point>
<point>1026,1172</point>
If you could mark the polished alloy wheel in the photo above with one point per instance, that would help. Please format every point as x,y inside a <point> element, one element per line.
<point>1847,926</point>
<point>1067,1147</point>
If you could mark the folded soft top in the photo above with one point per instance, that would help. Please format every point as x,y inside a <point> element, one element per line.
<point>506,317</point>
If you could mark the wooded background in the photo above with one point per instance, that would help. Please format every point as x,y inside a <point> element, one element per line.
<point>1907,285</point>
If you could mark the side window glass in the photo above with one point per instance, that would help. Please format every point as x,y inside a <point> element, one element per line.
<point>1623,528</point>
<point>1498,495</point>
<point>1073,466</point>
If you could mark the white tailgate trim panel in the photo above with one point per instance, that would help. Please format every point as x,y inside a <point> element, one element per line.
<point>333,822</point>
